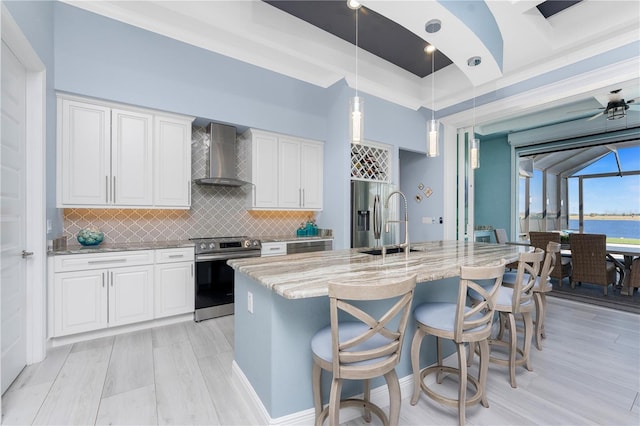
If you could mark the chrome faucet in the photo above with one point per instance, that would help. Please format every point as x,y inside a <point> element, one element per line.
<point>404,245</point>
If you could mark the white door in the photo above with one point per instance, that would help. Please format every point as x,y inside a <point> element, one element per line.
<point>13,208</point>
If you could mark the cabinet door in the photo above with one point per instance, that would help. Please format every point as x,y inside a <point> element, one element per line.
<point>265,170</point>
<point>131,157</point>
<point>311,174</point>
<point>84,133</point>
<point>80,302</point>
<point>174,290</point>
<point>289,189</point>
<point>130,294</point>
<point>172,152</point>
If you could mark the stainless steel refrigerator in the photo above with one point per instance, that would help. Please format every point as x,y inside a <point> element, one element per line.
<point>368,214</point>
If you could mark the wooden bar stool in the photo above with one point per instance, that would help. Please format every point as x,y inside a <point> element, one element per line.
<point>461,323</point>
<point>511,301</point>
<point>540,289</point>
<point>364,348</point>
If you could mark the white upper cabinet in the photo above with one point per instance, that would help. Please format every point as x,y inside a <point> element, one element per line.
<point>287,172</point>
<point>84,153</point>
<point>112,155</point>
<point>172,172</point>
<point>131,161</point>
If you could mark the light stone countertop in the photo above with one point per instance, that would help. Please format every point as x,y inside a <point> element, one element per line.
<point>291,238</point>
<point>75,248</point>
<point>307,275</point>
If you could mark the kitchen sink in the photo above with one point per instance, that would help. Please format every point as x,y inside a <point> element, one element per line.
<point>378,252</point>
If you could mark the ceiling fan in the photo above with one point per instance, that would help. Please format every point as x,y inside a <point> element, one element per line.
<point>616,107</point>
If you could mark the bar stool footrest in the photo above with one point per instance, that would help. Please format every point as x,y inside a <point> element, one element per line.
<point>358,403</point>
<point>470,400</point>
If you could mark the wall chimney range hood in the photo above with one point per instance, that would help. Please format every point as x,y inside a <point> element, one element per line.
<point>221,161</point>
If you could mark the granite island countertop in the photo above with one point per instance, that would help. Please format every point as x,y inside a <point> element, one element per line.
<point>75,248</point>
<point>307,275</point>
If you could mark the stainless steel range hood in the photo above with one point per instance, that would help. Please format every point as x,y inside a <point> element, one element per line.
<point>221,161</point>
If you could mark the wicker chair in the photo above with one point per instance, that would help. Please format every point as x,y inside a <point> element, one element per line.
<point>589,259</point>
<point>634,276</point>
<point>563,264</point>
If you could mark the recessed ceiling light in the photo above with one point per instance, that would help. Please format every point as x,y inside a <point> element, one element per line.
<point>433,26</point>
<point>474,61</point>
<point>353,4</point>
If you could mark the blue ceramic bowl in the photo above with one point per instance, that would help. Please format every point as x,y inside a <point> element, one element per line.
<point>90,236</point>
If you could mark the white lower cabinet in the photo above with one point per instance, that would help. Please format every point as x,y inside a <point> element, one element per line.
<point>174,284</point>
<point>80,302</point>
<point>96,291</point>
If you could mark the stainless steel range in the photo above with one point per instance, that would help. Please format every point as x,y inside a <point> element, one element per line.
<point>214,281</point>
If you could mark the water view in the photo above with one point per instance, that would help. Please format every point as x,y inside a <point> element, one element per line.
<point>612,228</point>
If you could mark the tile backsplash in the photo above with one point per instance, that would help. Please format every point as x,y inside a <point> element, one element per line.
<point>215,211</point>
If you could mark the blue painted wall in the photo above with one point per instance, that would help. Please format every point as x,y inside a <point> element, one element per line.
<point>36,20</point>
<point>493,184</point>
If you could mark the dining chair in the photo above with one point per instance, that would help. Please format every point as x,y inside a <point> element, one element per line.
<point>634,276</point>
<point>591,263</point>
<point>540,289</point>
<point>563,266</point>
<point>363,347</point>
<point>512,301</point>
<point>501,238</point>
<point>462,324</point>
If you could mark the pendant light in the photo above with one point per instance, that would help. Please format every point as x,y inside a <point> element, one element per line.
<point>356,105</point>
<point>432,125</point>
<point>474,151</point>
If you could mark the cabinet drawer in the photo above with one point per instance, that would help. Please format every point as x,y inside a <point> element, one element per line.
<point>274,249</point>
<point>183,254</point>
<point>81,262</point>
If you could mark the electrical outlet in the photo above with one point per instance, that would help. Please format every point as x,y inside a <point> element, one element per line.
<point>250,302</point>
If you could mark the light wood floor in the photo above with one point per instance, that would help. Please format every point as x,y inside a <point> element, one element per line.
<point>588,373</point>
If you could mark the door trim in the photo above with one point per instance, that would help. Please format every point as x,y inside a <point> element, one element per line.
<point>35,186</point>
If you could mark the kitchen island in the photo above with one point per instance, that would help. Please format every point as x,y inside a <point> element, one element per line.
<point>280,302</point>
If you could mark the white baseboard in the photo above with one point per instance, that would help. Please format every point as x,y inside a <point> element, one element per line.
<point>379,396</point>
<point>106,332</point>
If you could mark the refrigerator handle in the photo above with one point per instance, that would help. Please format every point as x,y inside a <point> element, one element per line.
<point>377,220</point>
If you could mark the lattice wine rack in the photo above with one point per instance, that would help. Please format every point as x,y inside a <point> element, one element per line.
<point>370,163</point>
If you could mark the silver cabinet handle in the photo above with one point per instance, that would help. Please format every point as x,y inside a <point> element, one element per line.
<point>173,256</point>
<point>26,254</point>
<point>303,200</point>
<point>111,280</point>
<point>189,192</point>
<point>94,262</point>
<point>103,280</point>
<point>192,270</point>
<point>114,189</point>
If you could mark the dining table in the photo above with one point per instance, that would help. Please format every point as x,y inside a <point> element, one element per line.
<point>628,252</point>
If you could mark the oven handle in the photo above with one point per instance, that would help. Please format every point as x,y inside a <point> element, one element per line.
<point>225,256</point>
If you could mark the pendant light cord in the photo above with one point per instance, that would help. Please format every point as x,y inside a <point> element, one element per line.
<point>357,10</point>
<point>433,86</point>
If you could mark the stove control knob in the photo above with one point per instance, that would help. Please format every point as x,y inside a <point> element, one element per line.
<point>255,243</point>
<point>247,243</point>
<point>203,246</point>
<point>212,246</point>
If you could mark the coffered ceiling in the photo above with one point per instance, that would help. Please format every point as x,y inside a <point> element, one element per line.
<point>542,69</point>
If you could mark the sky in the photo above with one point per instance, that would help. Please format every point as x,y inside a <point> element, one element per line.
<point>614,195</point>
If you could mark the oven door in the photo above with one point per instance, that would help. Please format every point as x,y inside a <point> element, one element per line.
<point>214,283</point>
